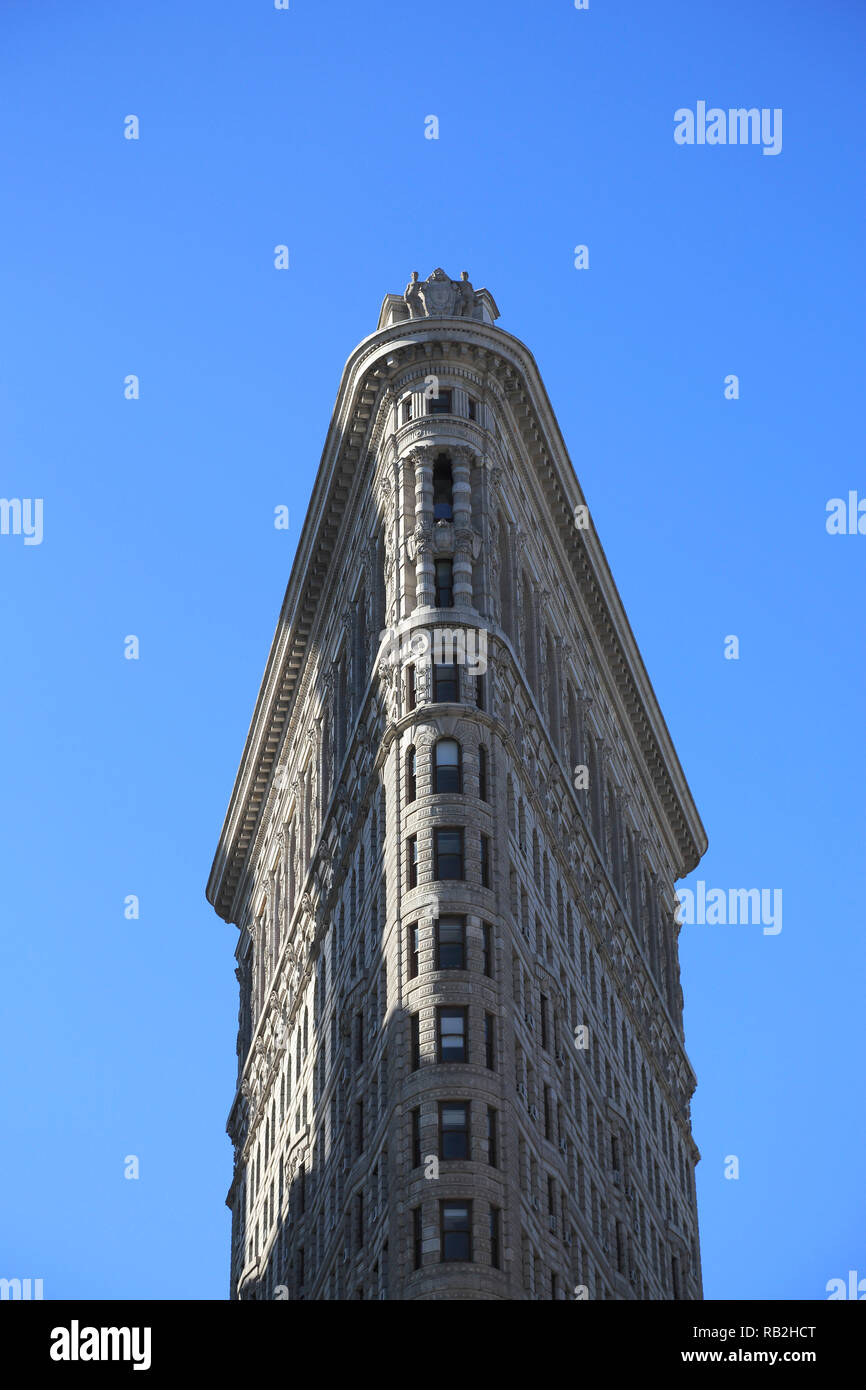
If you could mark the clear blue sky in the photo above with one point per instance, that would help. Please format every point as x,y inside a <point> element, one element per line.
<point>155,257</point>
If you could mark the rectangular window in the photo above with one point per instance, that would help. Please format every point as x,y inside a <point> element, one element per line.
<point>441,404</point>
<point>451,943</point>
<point>417,1237</point>
<point>482,773</point>
<point>410,687</point>
<point>444,584</point>
<point>412,860</point>
<point>495,1237</point>
<point>545,1043</point>
<point>446,683</point>
<point>406,411</point>
<point>415,1047</point>
<point>473,409</point>
<point>413,950</point>
<point>359,1127</point>
<point>453,1129</point>
<point>492,1143</point>
<point>359,1036</point>
<point>485,861</point>
<point>452,1040</point>
<point>479,692</point>
<point>416,1137</point>
<point>487,938</point>
<point>489,1052</point>
<point>455,1230</point>
<point>447,853</point>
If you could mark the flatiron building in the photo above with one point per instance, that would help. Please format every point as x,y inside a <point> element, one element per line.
<point>451,854</point>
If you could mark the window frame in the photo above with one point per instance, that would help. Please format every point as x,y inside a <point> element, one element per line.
<point>464,1130</point>
<point>461,1011</point>
<point>438,854</point>
<point>411,769</point>
<point>438,681</point>
<point>495,1233</point>
<point>415,1136</point>
<point>440,588</point>
<point>435,403</point>
<point>483,787</point>
<point>456,768</point>
<point>490,1041</point>
<point>451,919</point>
<point>413,931</point>
<point>492,1136</point>
<point>412,861</point>
<point>464,1203</point>
<point>484,865</point>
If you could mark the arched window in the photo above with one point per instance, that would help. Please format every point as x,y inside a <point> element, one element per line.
<point>447,766</point>
<point>410,774</point>
<point>443,490</point>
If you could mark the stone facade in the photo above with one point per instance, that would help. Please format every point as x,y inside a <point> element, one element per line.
<point>451,854</point>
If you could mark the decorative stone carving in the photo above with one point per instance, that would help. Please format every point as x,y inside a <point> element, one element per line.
<point>441,297</point>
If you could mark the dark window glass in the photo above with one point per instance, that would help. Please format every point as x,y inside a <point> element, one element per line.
<point>455,1235</point>
<point>544,1034</point>
<point>413,950</point>
<point>444,584</point>
<point>451,943</point>
<point>447,769</point>
<point>473,409</point>
<point>446,684</point>
<point>417,1236</point>
<point>482,773</point>
<point>453,1129</point>
<point>410,774</point>
<point>487,931</point>
<point>443,487</point>
<point>407,410</point>
<point>492,1145</point>
<point>452,1035</point>
<point>485,861</point>
<point>495,1237</point>
<point>416,1137</point>
<point>412,860</point>
<point>447,852</point>
<point>410,687</point>
<point>489,1054</point>
<point>441,404</point>
<point>415,1041</point>
<point>479,692</point>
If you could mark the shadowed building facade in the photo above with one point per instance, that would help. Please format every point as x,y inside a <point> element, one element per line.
<point>451,853</point>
